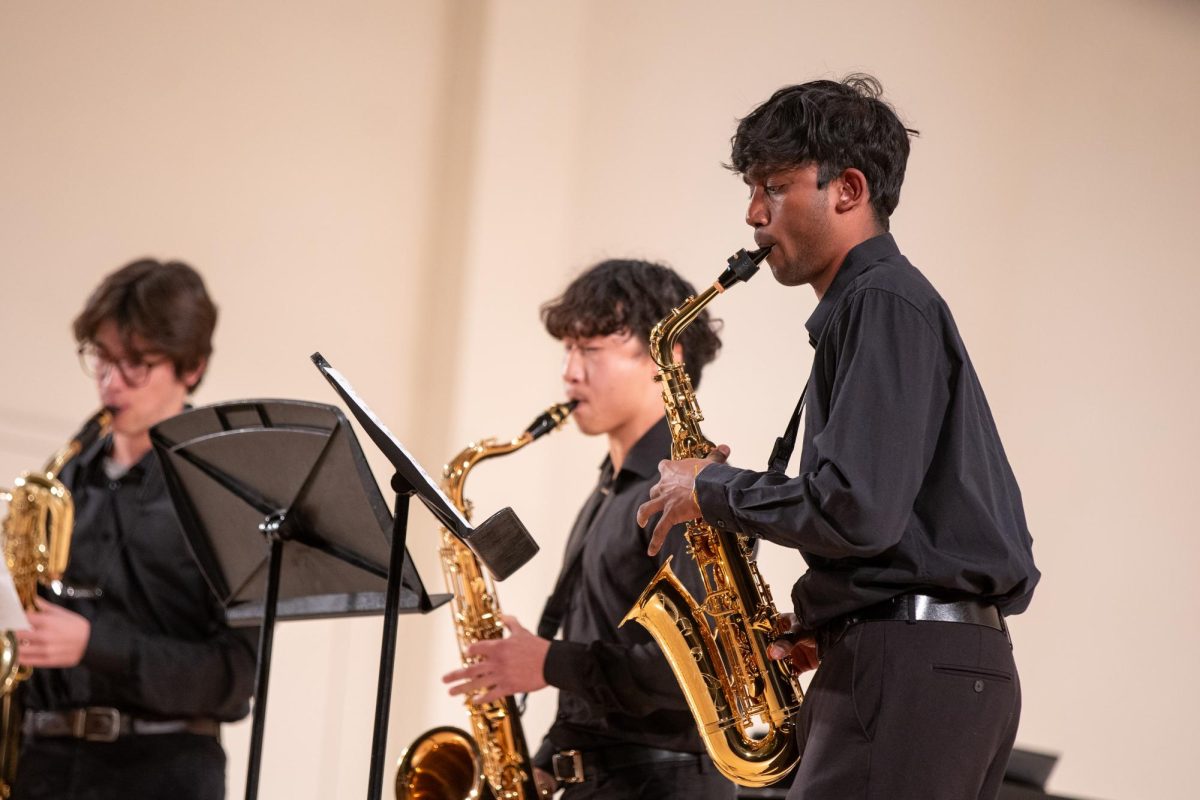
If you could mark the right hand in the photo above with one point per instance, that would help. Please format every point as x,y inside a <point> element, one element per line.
<point>501,667</point>
<point>798,644</point>
<point>675,494</point>
<point>546,783</point>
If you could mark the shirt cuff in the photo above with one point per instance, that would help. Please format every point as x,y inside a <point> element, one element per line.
<point>109,649</point>
<point>566,666</point>
<point>712,495</point>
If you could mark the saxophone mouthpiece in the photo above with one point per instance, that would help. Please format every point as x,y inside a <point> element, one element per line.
<point>96,426</point>
<point>552,418</point>
<point>742,266</point>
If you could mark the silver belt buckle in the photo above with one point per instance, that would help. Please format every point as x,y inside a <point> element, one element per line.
<point>100,724</point>
<point>568,766</point>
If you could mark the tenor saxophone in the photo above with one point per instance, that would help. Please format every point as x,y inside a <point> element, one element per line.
<point>743,703</point>
<point>36,539</point>
<point>447,763</point>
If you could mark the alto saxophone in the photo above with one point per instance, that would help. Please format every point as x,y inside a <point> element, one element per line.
<point>743,702</point>
<point>36,539</point>
<point>447,763</point>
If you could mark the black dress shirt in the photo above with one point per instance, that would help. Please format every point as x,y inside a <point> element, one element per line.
<point>615,685</point>
<point>904,485</point>
<point>159,646</point>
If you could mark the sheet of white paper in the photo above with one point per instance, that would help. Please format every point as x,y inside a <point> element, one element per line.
<point>12,616</point>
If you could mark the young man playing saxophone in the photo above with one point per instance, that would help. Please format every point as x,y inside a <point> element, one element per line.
<point>905,506</point>
<point>623,729</point>
<point>135,670</point>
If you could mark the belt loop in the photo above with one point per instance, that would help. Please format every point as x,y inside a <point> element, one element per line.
<point>910,602</point>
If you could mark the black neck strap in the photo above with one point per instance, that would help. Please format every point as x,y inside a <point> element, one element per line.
<point>781,454</point>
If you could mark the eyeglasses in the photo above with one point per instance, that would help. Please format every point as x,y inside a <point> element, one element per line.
<point>96,363</point>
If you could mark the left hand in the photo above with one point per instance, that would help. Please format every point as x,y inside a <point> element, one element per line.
<point>503,666</point>
<point>675,495</point>
<point>58,637</point>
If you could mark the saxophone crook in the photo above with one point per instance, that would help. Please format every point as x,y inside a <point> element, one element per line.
<point>492,760</point>
<point>717,646</point>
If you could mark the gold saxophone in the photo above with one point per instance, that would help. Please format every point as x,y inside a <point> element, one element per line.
<point>448,763</point>
<point>732,688</point>
<point>36,537</point>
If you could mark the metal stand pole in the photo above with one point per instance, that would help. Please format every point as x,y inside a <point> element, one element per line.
<point>387,652</point>
<point>266,637</point>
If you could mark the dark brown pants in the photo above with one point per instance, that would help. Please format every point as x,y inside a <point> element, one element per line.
<point>909,711</point>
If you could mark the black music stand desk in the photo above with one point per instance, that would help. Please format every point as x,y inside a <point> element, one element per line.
<point>286,521</point>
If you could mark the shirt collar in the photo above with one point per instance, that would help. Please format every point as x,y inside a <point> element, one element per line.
<point>642,459</point>
<point>91,461</point>
<point>860,258</point>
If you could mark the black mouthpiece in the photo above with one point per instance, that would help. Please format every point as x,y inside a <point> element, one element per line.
<point>550,419</point>
<point>742,266</point>
<point>91,429</point>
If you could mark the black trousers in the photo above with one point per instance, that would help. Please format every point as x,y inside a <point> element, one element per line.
<point>697,780</point>
<point>909,711</point>
<point>178,766</point>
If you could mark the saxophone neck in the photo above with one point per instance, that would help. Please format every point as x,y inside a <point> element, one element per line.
<point>454,474</point>
<point>740,267</point>
<point>666,333</point>
<point>97,425</point>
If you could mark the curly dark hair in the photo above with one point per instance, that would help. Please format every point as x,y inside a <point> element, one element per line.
<point>623,295</point>
<point>836,125</point>
<point>165,304</point>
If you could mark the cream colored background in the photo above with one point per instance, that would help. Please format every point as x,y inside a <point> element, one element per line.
<point>400,184</point>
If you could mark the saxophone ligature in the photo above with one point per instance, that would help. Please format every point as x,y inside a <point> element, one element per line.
<point>492,760</point>
<point>36,539</point>
<point>743,703</point>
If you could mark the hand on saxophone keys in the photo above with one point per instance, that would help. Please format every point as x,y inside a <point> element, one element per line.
<point>675,495</point>
<point>58,637</point>
<point>502,667</point>
<point>798,645</point>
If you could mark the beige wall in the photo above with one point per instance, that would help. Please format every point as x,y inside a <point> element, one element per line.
<point>400,184</point>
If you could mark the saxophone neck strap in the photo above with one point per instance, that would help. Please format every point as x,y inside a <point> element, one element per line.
<point>560,599</point>
<point>781,454</point>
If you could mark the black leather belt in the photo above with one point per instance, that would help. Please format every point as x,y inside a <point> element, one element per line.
<point>913,608</point>
<point>104,724</point>
<point>577,766</point>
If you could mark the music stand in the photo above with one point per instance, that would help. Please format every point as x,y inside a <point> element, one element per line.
<point>324,543</point>
<point>501,541</point>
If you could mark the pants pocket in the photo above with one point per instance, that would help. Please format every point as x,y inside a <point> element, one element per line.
<point>866,688</point>
<point>974,673</point>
